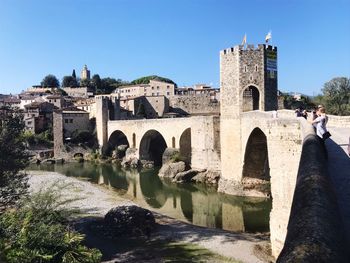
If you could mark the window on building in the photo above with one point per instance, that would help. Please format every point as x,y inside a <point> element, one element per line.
<point>29,123</point>
<point>152,87</point>
<point>256,67</point>
<point>70,120</point>
<point>157,87</point>
<point>152,94</point>
<point>66,121</point>
<point>55,100</point>
<point>245,68</point>
<point>168,87</point>
<point>168,93</point>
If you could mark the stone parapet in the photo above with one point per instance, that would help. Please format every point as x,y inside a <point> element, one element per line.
<point>315,231</point>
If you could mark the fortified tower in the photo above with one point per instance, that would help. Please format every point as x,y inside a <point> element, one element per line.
<point>248,80</point>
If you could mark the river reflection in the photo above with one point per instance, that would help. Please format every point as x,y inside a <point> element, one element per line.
<point>196,204</point>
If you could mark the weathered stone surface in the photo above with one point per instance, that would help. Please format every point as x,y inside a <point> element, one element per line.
<point>209,177</point>
<point>171,169</point>
<point>147,164</point>
<point>315,229</point>
<point>129,220</point>
<point>168,155</point>
<point>185,177</point>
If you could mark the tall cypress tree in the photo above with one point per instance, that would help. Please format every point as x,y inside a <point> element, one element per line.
<point>73,74</point>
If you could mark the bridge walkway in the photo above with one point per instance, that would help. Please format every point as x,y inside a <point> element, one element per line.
<point>339,171</point>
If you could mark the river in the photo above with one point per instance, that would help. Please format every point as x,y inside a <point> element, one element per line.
<point>193,203</point>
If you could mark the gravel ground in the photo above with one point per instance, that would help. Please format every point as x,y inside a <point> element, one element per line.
<point>96,200</point>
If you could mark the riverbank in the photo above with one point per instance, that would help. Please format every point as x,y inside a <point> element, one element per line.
<point>95,201</point>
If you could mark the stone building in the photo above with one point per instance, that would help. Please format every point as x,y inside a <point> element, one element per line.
<point>85,73</point>
<point>150,106</point>
<point>88,105</point>
<point>57,100</point>
<point>66,122</point>
<point>79,92</point>
<point>154,88</point>
<point>38,116</point>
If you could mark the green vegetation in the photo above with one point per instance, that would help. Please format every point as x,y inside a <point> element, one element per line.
<point>42,139</point>
<point>336,96</point>
<point>145,80</point>
<point>69,81</point>
<point>13,159</point>
<point>305,102</point>
<point>38,231</point>
<point>50,81</point>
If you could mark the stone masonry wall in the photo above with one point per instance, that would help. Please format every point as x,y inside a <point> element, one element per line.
<point>204,136</point>
<point>194,105</point>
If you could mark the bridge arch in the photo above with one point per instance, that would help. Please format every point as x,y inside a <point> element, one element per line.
<point>116,139</point>
<point>185,146</point>
<point>152,147</point>
<point>251,98</point>
<point>256,160</point>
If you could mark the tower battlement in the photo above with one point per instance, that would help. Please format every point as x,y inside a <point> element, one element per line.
<point>247,48</point>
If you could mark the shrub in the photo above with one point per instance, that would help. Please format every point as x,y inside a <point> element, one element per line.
<point>38,231</point>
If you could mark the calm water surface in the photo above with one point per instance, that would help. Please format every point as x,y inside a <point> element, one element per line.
<point>193,203</point>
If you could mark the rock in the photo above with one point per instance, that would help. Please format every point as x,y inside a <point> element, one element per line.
<point>209,177</point>
<point>147,164</point>
<point>122,148</point>
<point>185,177</point>
<point>129,220</point>
<point>169,154</point>
<point>171,169</point>
<point>135,163</point>
<point>130,153</point>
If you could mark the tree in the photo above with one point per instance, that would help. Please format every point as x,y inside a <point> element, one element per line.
<point>13,159</point>
<point>69,81</point>
<point>96,82</point>
<point>145,80</point>
<point>50,81</point>
<point>336,94</point>
<point>39,231</point>
<point>74,75</point>
<point>85,83</point>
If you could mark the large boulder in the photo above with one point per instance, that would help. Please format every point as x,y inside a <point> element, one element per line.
<point>129,220</point>
<point>169,154</point>
<point>170,170</point>
<point>185,177</point>
<point>209,177</point>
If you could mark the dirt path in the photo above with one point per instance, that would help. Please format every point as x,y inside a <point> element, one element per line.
<point>96,200</point>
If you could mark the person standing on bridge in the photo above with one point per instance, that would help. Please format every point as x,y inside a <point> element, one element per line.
<point>321,130</point>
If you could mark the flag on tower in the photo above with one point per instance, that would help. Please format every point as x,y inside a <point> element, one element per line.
<point>268,37</point>
<point>244,41</point>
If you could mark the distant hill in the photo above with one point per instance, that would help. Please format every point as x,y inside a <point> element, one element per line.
<point>145,80</point>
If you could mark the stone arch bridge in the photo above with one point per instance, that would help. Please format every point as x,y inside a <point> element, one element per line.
<point>261,147</point>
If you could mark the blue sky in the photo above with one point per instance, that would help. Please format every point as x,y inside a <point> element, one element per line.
<point>178,39</point>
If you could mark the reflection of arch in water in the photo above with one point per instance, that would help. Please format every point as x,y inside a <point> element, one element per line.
<point>152,189</point>
<point>115,178</point>
<point>187,205</point>
<point>117,138</point>
<point>256,161</point>
<point>256,214</point>
<point>186,146</point>
<point>251,98</point>
<point>152,147</point>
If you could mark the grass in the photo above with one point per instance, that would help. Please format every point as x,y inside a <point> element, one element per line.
<point>188,252</point>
